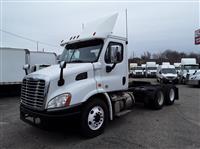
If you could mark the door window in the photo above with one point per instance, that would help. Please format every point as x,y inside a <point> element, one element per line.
<point>114,53</point>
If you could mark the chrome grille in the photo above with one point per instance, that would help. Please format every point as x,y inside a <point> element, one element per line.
<point>33,93</point>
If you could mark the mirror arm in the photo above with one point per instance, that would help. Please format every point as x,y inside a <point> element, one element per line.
<point>61,80</point>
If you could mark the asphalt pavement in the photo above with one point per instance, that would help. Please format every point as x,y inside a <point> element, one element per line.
<point>176,126</point>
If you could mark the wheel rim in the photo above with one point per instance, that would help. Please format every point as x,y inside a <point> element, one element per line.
<point>95,118</point>
<point>160,98</point>
<point>171,95</point>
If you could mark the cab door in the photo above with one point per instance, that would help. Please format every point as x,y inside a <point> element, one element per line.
<point>115,66</point>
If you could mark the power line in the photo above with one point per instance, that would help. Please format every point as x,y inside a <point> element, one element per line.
<point>29,39</point>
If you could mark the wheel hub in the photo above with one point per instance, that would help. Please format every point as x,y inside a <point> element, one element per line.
<point>95,118</point>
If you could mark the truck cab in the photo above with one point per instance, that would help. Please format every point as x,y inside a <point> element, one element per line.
<point>188,66</point>
<point>151,69</point>
<point>167,74</point>
<point>91,82</point>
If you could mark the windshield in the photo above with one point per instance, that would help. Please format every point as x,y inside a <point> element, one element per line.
<point>189,67</point>
<point>151,68</point>
<point>80,52</point>
<point>168,70</point>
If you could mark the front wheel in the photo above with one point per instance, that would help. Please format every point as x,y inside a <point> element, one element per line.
<point>94,118</point>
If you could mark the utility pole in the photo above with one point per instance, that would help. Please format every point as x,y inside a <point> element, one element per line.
<point>37,46</point>
<point>82,26</point>
<point>126,26</point>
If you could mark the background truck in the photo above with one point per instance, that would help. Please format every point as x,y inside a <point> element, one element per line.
<point>90,83</point>
<point>132,72</point>
<point>194,79</point>
<point>177,67</point>
<point>12,61</point>
<point>188,66</point>
<point>151,69</point>
<point>139,72</point>
<point>167,74</point>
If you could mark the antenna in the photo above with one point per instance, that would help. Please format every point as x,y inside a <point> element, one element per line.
<point>82,26</point>
<point>126,27</point>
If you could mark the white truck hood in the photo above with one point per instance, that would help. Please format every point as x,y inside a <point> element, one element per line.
<point>53,72</point>
<point>169,75</point>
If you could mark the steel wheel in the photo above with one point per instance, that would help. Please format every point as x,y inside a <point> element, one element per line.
<point>95,118</point>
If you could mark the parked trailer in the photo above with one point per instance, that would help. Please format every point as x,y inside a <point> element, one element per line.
<point>12,61</point>
<point>92,84</point>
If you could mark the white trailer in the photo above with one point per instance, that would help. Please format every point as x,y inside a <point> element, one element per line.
<point>90,83</point>
<point>12,61</point>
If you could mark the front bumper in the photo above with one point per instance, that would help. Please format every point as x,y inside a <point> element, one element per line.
<point>34,117</point>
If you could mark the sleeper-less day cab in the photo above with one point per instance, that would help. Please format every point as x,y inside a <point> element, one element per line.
<point>91,83</point>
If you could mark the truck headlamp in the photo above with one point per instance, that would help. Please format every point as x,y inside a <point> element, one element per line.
<point>60,101</point>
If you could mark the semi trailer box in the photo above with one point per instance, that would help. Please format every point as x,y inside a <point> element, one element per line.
<point>12,61</point>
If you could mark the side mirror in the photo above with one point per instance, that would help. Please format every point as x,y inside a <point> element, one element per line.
<point>26,67</point>
<point>61,81</point>
<point>195,72</point>
<point>62,64</point>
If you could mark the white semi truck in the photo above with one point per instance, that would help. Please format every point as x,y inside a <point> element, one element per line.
<point>151,69</point>
<point>90,83</point>
<point>132,72</point>
<point>188,67</point>
<point>167,74</point>
<point>139,72</point>
<point>12,61</point>
<point>177,67</point>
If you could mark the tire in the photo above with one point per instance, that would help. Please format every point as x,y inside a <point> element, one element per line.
<point>94,118</point>
<point>170,95</point>
<point>158,101</point>
<point>183,81</point>
<point>161,81</point>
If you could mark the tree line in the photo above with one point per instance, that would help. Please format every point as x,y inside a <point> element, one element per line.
<point>171,56</point>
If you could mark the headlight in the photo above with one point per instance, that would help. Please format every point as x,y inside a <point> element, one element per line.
<point>60,101</point>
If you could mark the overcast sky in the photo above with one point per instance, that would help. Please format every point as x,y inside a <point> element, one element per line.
<point>152,26</point>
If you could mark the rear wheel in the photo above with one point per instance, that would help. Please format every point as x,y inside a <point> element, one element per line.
<point>170,96</point>
<point>158,101</point>
<point>94,118</point>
